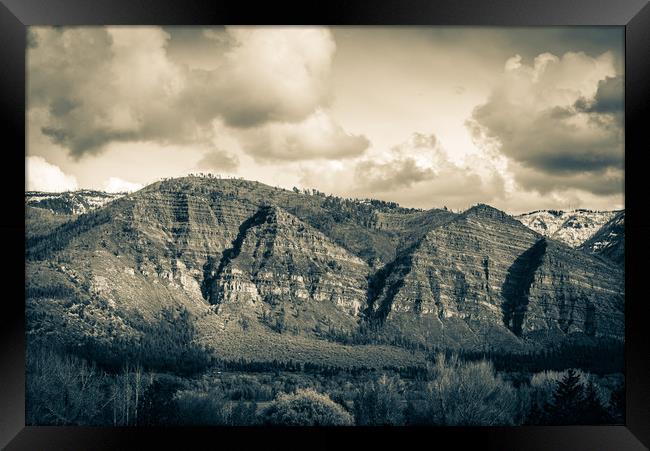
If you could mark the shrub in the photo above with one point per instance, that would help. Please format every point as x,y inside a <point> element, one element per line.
<point>470,393</point>
<point>305,407</point>
<point>243,414</point>
<point>616,404</point>
<point>62,390</point>
<point>158,403</point>
<point>201,408</point>
<point>545,379</point>
<point>379,403</point>
<point>418,413</point>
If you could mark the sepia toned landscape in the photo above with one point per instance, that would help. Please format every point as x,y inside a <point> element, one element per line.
<point>219,231</point>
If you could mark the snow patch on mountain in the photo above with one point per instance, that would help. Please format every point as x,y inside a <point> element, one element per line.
<point>572,227</point>
<point>70,202</point>
<point>609,241</point>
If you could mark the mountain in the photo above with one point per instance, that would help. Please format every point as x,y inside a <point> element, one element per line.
<point>572,227</point>
<point>69,203</point>
<point>118,267</point>
<point>268,273</point>
<point>484,276</point>
<point>609,241</point>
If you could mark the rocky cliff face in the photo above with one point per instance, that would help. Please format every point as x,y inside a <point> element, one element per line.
<point>288,275</point>
<point>245,255</point>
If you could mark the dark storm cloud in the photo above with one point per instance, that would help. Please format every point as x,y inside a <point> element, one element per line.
<point>60,106</point>
<point>602,182</point>
<point>402,169</point>
<point>609,98</point>
<point>89,141</point>
<point>59,62</point>
<point>549,141</point>
<point>78,77</point>
<point>553,141</point>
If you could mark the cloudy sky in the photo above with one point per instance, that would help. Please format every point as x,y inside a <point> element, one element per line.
<point>518,118</point>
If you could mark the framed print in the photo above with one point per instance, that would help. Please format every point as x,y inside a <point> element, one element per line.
<point>350,222</point>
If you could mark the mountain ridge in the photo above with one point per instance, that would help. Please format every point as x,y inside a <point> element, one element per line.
<point>307,265</point>
<point>573,227</point>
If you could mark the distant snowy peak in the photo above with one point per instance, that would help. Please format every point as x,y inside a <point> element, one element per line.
<point>71,202</point>
<point>570,227</point>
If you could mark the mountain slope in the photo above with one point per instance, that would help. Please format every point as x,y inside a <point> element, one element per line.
<point>41,221</point>
<point>371,229</point>
<point>484,274</point>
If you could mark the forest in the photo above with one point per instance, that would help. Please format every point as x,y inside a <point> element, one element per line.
<point>83,385</point>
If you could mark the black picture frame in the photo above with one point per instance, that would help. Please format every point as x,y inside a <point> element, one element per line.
<point>16,15</point>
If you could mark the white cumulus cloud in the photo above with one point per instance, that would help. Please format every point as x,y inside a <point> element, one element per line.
<point>417,172</point>
<point>117,185</point>
<point>318,136</point>
<point>44,176</point>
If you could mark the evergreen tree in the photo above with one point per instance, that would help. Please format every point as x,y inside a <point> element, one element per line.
<point>566,406</point>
